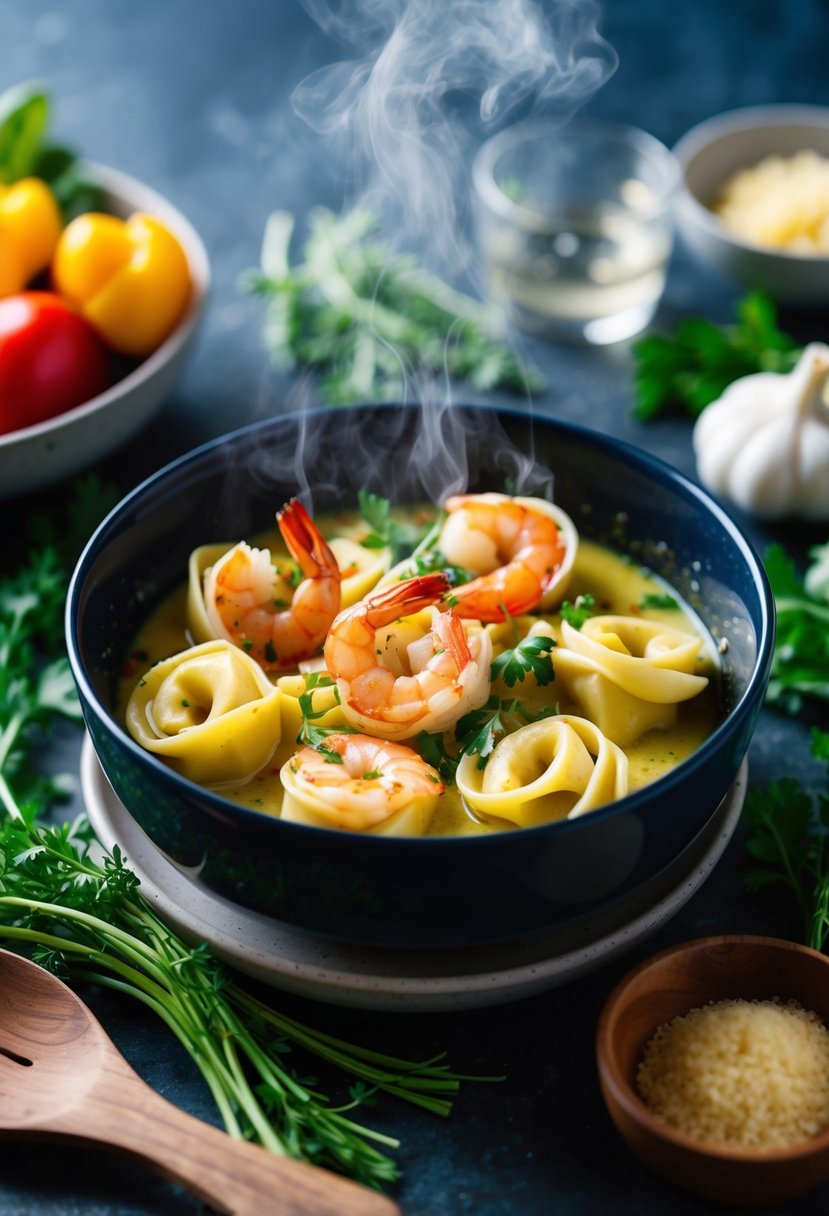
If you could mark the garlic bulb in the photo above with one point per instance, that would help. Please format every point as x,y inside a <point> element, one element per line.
<point>764,444</point>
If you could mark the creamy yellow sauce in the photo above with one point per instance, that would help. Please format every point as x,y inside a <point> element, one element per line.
<point>618,588</point>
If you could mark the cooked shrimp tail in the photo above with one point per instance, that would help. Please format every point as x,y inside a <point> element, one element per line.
<point>521,550</point>
<point>251,604</point>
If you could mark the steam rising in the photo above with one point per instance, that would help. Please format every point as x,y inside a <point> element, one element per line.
<point>397,113</point>
<point>400,121</point>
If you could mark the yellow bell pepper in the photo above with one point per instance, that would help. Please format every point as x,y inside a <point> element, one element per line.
<point>129,278</point>
<point>30,225</point>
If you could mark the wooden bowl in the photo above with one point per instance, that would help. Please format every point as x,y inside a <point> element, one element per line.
<point>670,984</point>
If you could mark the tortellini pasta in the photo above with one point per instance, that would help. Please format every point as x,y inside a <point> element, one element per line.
<point>628,674</point>
<point>210,711</point>
<point>557,768</point>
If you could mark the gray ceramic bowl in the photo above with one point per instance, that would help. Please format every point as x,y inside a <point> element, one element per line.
<point>37,456</point>
<point>433,890</point>
<point>709,155</point>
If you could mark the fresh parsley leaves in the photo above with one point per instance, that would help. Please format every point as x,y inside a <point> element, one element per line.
<point>684,373</point>
<point>654,602</point>
<point>532,656</point>
<point>577,613</point>
<point>789,836</point>
<point>315,736</point>
<point>800,666</point>
<point>480,731</point>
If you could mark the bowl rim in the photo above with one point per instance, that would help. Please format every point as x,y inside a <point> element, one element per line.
<point>122,185</point>
<point>747,118</point>
<point>484,161</point>
<point>608,444</point>
<point>636,1108</point>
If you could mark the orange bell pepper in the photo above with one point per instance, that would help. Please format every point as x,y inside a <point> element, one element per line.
<point>129,278</point>
<point>30,225</point>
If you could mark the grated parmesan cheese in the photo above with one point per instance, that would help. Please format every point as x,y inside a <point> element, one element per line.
<point>782,202</point>
<point>753,1074</point>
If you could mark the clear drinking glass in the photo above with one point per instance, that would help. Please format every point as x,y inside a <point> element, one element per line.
<point>574,225</point>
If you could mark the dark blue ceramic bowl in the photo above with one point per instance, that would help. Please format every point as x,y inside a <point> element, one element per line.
<point>391,890</point>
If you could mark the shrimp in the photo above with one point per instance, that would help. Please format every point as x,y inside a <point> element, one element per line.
<point>248,602</point>
<point>376,779</point>
<point>396,680</point>
<point>517,549</point>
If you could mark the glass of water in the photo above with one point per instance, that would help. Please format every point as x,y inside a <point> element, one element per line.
<point>574,225</point>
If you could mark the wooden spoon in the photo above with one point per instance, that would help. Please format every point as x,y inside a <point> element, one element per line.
<point>62,1077</point>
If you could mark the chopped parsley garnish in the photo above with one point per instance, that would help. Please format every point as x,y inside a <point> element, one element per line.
<point>432,748</point>
<point>532,656</point>
<point>480,731</point>
<point>577,613</point>
<point>654,601</point>
<point>386,532</point>
<point>309,734</point>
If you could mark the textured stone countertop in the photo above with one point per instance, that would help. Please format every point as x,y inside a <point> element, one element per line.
<point>194,99</point>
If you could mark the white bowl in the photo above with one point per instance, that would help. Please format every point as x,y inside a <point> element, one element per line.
<point>36,456</point>
<point>709,154</point>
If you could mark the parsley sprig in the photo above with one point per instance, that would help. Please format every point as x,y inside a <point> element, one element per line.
<point>480,731</point>
<point>576,613</point>
<point>531,656</point>
<point>789,835</point>
<point>369,319</point>
<point>800,667</point>
<point>684,373</point>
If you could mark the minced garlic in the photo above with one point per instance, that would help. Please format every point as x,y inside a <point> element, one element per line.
<point>782,202</point>
<point>753,1074</point>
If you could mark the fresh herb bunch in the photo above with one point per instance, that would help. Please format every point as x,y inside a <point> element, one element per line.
<point>800,666</point>
<point>25,151</point>
<point>82,915</point>
<point>371,319</point>
<point>789,834</point>
<point>684,373</point>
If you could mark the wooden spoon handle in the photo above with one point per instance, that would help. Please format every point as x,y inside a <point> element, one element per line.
<point>235,1177</point>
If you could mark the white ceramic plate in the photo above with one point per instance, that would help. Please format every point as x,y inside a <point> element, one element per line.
<point>37,456</point>
<point>402,981</point>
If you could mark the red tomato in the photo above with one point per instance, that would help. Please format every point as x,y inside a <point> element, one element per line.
<point>50,359</point>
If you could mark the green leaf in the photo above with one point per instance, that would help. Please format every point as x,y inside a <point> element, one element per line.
<point>657,602</point>
<point>479,731</point>
<point>800,663</point>
<point>432,748</point>
<point>24,118</point>
<point>577,613</point>
<point>387,532</point>
<point>532,656</point>
<point>685,372</point>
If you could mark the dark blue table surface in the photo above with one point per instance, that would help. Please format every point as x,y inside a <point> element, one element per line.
<point>194,99</point>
